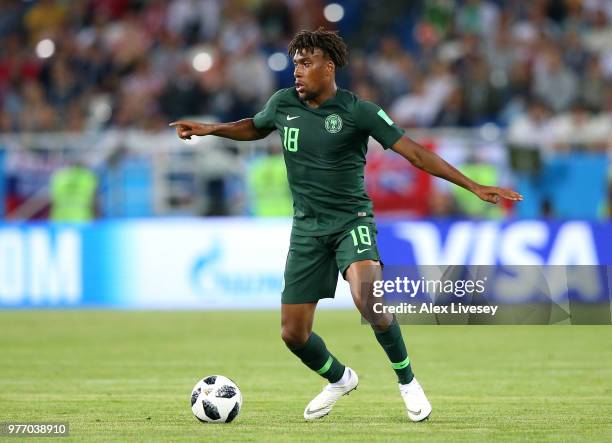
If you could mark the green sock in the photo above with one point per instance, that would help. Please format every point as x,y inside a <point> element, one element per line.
<point>315,355</point>
<point>392,342</point>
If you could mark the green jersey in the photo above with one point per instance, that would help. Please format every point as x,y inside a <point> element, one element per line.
<point>325,152</point>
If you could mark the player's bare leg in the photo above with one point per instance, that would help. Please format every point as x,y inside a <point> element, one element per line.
<point>361,276</point>
<point>296,332</point>
<point>296,323</point>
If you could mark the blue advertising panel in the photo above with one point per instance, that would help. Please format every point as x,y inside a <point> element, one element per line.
<point>2,183</point>
<point>238,262</point>
<point>521,242</point>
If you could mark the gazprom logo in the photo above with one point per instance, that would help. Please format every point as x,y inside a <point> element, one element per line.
<point>212,277</point>
<point>39,267</point>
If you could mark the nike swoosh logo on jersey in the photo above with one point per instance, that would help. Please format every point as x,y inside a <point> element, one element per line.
<point>359,251</point>
<point>414,412</point>
<point>292,117</point>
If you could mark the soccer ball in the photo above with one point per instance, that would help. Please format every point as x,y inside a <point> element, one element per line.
<point>216,399</point>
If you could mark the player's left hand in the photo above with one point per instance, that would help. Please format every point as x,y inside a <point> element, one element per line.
<point>492,194</point>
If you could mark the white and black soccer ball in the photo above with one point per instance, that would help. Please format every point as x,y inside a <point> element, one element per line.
<point>216,399</point>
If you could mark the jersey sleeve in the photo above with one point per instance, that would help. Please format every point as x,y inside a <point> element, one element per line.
<point>264,119</point>
<point>372,119</point>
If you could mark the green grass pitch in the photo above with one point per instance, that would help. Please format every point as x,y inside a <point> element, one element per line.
<point>127,376</point>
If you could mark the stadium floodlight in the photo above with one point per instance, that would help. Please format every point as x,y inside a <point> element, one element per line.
<point>278,61</point>
<point>202,61</point>
<point>333,12</point>
<point>45,48</point>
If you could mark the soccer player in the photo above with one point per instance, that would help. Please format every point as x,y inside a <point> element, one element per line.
<point>325,130</point>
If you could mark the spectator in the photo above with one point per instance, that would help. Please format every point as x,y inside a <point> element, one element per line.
<point>477,17</point>
<point>534,24</point>
<point>250,79</point>
<point>389,69</point>
<point>11,16</point>
<point>127,41</point>
<point>36,114</point>
<point>360,72</point>
<point>532,130</point>
<point>575,55</point>
<point>577,130</point>
<point>466,202</point>
<point>365,91</point>
<point>239,30</point>
<point>267,181</point>
<point>275,21</point>
<point>482,100</point>
<point>73,191</point>
<point>440,83</point>
<point>453,113</point>
<point>183,94</point>
<point>502,51</point>
<point>45,19</point>
<point>194,20</point>
<point>593,85</point>
<point>63,88</point>
<point>554,83</point>
<point>418,108</point>
<point>599,38</point>
<point>439,14</point>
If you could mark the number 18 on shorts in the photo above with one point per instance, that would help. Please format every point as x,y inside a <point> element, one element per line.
<point>314,262</point>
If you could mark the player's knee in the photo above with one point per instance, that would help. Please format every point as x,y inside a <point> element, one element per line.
<point>381,323</point>
<point>364,304</point>
<point>293,337</point>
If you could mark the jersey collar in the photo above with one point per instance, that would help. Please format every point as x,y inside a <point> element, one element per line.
<point>325,103</point>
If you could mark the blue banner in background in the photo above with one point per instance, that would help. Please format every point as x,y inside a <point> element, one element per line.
<point>2,183</point>
<point>238,262</point>
<point>521,242</point>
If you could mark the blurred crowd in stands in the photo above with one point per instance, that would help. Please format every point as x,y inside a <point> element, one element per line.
<point>540,68</point>
<point>90,64</point>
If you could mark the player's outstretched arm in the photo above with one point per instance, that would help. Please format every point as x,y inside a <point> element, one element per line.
<point>432,163</point>
<point>241,130</point>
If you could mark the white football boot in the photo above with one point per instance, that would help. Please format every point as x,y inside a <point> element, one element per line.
<point>325,401</point>
<point>417,405</point>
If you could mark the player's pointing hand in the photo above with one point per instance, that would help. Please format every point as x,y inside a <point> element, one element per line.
<point>492,194</point>
<point>185,128</point>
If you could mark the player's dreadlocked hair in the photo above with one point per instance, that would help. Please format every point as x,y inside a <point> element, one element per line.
<point>329,42</point>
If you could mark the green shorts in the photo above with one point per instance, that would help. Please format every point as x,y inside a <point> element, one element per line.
<point>313,263</point>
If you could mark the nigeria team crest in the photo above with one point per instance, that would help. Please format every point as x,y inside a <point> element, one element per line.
<point>333,123</point>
